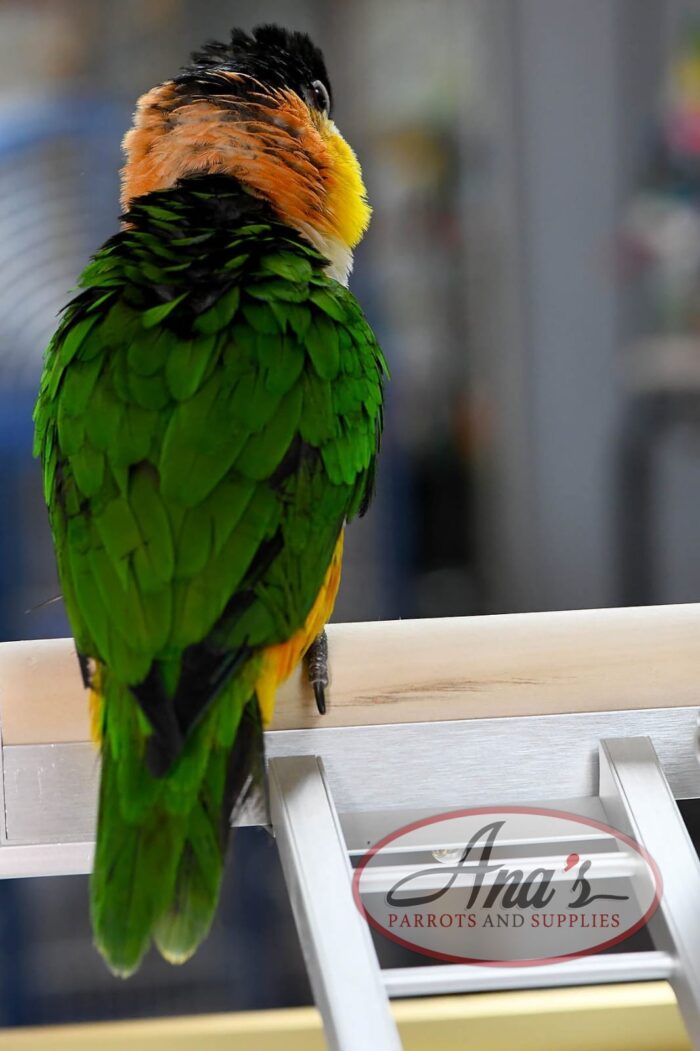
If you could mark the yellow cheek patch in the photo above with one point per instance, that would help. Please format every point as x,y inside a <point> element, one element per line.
<point>315,177</point>
<point>347,197</point>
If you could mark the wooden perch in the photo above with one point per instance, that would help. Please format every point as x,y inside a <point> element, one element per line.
<point>413,671</point>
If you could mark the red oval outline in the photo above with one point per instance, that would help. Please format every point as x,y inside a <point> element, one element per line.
<point>544,811</point>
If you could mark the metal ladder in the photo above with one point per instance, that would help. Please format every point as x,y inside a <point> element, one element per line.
<point>350,989</point>
<point>334,791</point>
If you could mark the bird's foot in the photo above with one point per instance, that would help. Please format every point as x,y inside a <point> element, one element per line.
<point>317,669</point>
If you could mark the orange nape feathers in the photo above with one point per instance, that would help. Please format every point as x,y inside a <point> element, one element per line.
<point>272,142</point>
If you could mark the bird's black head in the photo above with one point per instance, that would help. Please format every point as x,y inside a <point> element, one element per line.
<point>257,110</point>
<point>270,55</point>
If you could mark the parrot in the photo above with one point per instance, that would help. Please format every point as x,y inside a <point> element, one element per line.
<point>208,420</point>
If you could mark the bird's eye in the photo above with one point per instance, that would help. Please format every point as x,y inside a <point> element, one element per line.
<point>320,97</point>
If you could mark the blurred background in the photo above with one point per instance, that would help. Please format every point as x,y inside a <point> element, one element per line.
<point>533,273</point>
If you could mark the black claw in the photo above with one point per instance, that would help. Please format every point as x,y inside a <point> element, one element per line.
<point>317,669</point>
<point>320,695</point>
<point>85,673</point>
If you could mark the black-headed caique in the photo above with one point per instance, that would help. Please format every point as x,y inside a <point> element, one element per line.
<point>208,421</point>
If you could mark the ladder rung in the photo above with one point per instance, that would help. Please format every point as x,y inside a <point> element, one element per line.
<point>587,970</point>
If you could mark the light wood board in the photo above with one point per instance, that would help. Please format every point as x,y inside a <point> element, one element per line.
<point>422,670</point>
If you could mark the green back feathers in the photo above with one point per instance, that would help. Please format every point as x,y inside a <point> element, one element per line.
<point>208,419</point>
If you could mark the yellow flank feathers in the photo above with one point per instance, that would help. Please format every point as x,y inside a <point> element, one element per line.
<point>280,661</point>
<point>95,705</point>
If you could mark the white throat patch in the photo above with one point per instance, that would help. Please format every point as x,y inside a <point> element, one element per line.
<point>338,254</point>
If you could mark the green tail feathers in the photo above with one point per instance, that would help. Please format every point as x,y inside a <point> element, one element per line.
<point>161,842</point>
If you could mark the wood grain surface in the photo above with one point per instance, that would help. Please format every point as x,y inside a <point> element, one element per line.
<point>422,670</point>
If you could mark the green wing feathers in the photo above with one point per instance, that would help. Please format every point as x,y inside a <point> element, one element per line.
<point>208,420</point>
